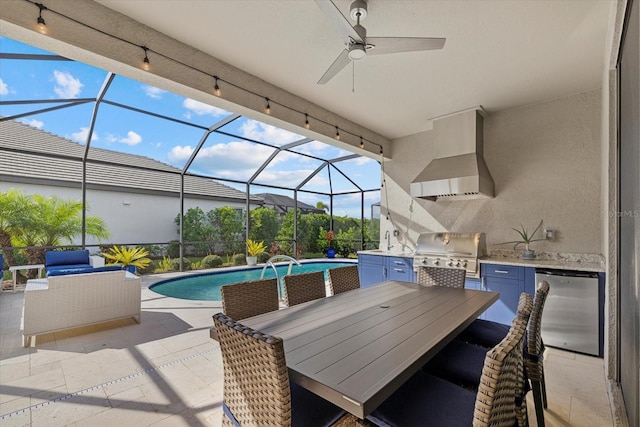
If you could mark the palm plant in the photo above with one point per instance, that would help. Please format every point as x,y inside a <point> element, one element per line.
<point>15,215</point>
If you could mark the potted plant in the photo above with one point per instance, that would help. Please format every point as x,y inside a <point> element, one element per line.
<point>329,236</point>
<point>254,249</point>
<point>129,258</point>
<point>525,239</point>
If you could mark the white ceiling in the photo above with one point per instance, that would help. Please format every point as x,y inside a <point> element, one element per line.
<point>498,54</point>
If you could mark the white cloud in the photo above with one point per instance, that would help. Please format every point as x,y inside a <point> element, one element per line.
<point>34,123</point>
<point>153,92</point>
<point>202,109</point>
<point>81,135</point>
<point>180,153</point>
<point>66,86</point>
<point>4,89</point>
<point>267,133</point>
<point>131,139</point>
<point>288,178</point>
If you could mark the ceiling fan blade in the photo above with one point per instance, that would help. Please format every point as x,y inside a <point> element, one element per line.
<point>339,22</point>
<point>385,45</point>
<point>341,61</point>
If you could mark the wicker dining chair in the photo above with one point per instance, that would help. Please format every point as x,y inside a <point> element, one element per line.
<point>429,400</point>
<point>462,363</point>
<point>257,390</point>
<point>534,352</point>
<point>343,279</point>
<point>299,288</point>
<point>434,276</point>
<point>247,299</point>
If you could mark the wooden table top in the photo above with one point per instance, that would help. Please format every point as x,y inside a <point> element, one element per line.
<point>356,348</point>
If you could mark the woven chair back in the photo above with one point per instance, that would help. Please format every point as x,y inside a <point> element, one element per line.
<point>525,306</point>
<point>256,382</point>
<point>495,401</point>
<point>449,277</point>
<point>343,279</point>
<point>299,288</point>
<point>534,338</point>
<point>247,299</point>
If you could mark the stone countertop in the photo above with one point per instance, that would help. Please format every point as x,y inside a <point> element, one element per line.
<point>392,252</point>
<point>578,265</point>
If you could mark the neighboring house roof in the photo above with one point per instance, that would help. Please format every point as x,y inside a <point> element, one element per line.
<point>31,155</point>
<point>282,204</point>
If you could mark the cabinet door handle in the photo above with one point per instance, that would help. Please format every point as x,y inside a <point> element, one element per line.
<point>399,270</point>
<point>398,262</point>
<point>501,271</point>
<point>482,284</point>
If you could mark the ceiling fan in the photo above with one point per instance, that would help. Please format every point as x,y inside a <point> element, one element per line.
<point>358,45</point>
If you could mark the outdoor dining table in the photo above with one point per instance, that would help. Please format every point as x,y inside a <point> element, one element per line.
<point>356,348</point>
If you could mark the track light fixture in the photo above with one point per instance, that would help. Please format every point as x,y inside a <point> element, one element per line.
<point>146,65</point>
<point>216,88</point>
<point>42,26</point>
<point>145,62</point>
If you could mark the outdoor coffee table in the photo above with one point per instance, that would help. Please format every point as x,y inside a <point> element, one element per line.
<point>358,347</point>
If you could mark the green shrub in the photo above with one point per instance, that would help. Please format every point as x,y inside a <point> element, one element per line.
<point>164,265</point>
<point>262,258</point>
<point>239,259</point>
<point>211,261</point>
<point>175,264</point>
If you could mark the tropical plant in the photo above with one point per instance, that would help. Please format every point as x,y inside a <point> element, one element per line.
<point>228,226</point>
<point>196,265</point>
<point>164,265</point>
<point>525,237</point>
<point>255,248</point>
<point>264,224</point>
<point>136,257</point>
<point>15,214</point>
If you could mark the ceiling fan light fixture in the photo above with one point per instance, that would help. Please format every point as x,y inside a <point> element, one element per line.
<point>357,52</point>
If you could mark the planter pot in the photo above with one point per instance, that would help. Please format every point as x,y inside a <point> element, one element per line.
<point>252,260</point>
<point>331,253</point>
<point>529,254</point>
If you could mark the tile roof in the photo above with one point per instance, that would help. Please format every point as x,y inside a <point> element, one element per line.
<point>31,153</point>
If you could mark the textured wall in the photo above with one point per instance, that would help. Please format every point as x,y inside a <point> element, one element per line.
<point>545,160</point>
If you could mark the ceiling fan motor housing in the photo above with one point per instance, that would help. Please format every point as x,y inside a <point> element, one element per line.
<point>359,7</point>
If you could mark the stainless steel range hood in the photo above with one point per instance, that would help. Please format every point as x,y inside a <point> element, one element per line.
<point>458,171</point>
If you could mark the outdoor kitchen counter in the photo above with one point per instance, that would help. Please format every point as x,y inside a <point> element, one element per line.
<point>392,252</point>
<point>572,263</point>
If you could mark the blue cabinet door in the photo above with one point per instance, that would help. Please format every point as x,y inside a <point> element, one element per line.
<point>400,268</point>
<point>371,269</point>
<point>503,310</point>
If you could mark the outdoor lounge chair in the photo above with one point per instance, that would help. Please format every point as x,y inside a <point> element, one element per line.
<point>257,390</point>
<point>248,299</point>
<point>343,279</point>
<point>449,277</point>
<point>299,288</point>
<point>428,400</point>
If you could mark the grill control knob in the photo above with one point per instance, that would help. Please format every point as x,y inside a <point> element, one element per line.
<point>436,261</point>
<point>464,263</point>
<point>425,261</point>
<point>456,263</point>
<point>449,263</point>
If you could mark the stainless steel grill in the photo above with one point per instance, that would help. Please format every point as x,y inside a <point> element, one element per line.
<point>450,250</point>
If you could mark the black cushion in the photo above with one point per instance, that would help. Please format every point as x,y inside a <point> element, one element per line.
<point>426,400</point>
<point>309,409</point>
<point>460,363</point>
<point>484,333</point>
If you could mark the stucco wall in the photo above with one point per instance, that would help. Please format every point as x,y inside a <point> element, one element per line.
<point>130,217</point>
<point>545,160</point>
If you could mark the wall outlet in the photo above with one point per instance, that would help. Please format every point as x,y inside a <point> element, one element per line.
<point>396,233</point>
<point>549,234</point>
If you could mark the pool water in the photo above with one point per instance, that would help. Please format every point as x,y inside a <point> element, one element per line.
<point>206,286</point>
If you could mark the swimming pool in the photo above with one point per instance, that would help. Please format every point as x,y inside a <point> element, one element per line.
<point>206,286</point>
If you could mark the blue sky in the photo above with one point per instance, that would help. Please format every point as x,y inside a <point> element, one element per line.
<point>173,143</point>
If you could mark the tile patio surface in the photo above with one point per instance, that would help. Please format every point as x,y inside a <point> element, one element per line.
<point>166,371</point>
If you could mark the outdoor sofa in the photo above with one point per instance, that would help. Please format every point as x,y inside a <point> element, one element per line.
<point>63,302</point>
<point>58,263</point>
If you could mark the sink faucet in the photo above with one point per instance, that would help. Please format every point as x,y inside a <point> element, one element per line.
<point>387,237</point>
